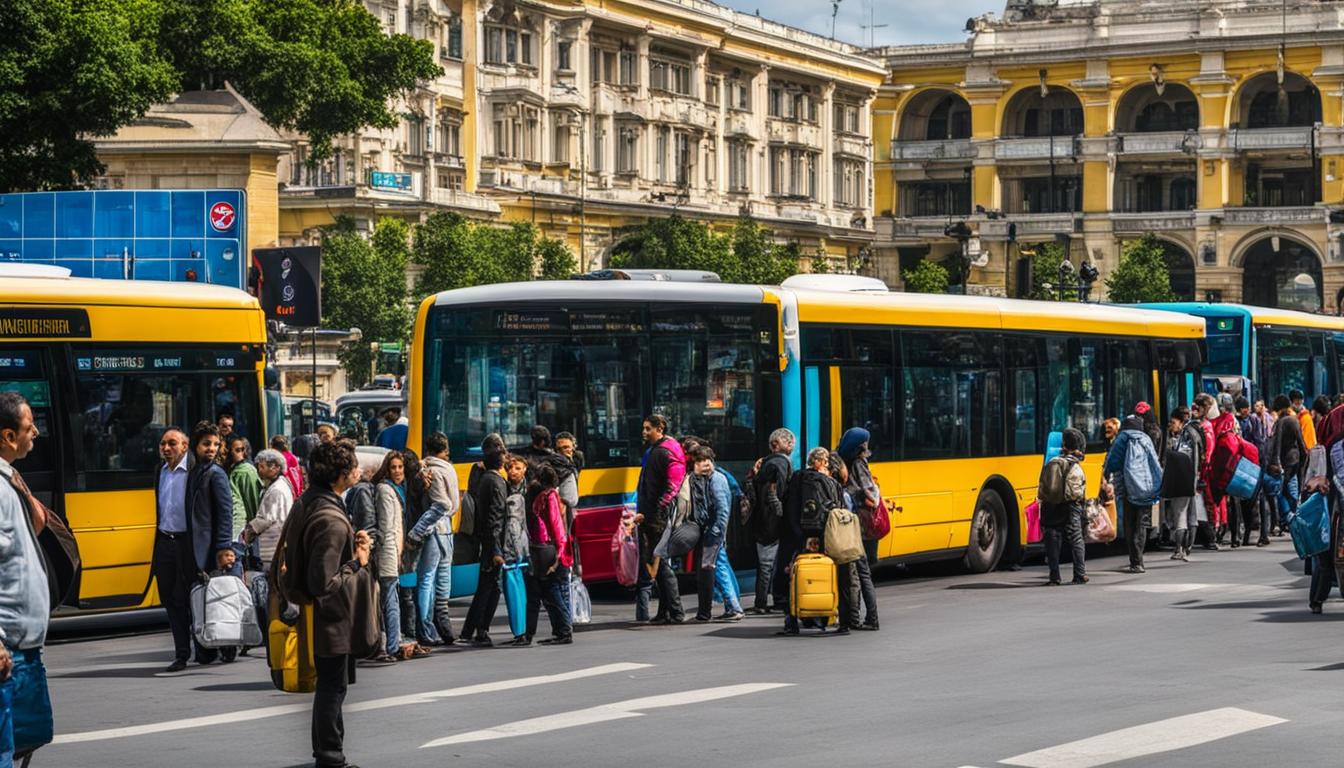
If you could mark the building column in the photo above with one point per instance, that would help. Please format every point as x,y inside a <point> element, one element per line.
<point>826,173</point>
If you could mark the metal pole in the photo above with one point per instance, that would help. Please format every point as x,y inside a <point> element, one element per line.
<point>314,389</point>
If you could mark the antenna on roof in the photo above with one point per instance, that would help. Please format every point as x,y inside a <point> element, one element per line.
<point>835,9</point>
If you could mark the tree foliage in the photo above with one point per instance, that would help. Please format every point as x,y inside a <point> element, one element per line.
<point>1142,274</point>
<point>1045,272</point>
<point>456,253</point>
<point>926,277</point>
<point>364,287</point>
<point>68,70</point>
<point>71,69</point>
<point>746,254</point>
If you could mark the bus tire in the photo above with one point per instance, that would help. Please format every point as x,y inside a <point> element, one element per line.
<point>989,533</point>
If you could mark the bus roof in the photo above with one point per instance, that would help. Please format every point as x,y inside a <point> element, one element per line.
<point>912,309</point>
<point>600,290</point>
<point>140,293</point>
<point>1258,315</point>
<point>921,309</point>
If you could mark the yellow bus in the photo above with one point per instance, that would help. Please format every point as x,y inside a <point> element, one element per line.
<point>107,366</point>
<point>959,393</point>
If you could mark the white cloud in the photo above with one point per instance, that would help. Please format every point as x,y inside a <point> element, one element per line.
<point>907,21</point>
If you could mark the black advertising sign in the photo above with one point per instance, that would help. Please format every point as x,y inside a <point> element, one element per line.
<point>37,323</point>
<point>291,284</point>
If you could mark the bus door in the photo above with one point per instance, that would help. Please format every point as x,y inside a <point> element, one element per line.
<point>28,371</point>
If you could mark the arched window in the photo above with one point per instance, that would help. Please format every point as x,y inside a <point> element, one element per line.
<point>1278,272</point>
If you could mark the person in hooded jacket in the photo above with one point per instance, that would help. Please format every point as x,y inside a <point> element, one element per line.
<point>1225,432</point>
<point>1180,480</point>
<point>711,506</point>
<point>546,526</point>
<point>862,488</point>
<point>1068,519</point>
<point>1137,509</point>
<point>1204,411</point>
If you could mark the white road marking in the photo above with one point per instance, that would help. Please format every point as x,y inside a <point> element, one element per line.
<point>604,713</point>
<point>428,697</point>
<point>1159,588</point>
<point>1148,739</point>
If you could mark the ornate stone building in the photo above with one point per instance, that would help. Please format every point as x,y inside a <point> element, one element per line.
<point>1215,124</point>
<point>586,117</point>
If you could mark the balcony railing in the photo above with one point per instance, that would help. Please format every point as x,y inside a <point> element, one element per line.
<point>1152,221</point>
<point>1303,214</point>
<point>951,149</point>
<point>1036,148</point>
<point>1032,224</point>
<point>911,228</point>
<point>1298,138</point>
<point>1160,143</point>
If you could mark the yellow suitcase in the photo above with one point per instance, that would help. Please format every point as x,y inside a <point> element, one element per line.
<point>812,588</point>
<point>289,649</point>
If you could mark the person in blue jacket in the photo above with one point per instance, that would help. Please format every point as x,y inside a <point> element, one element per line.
<point>711,502</point>
<point>1137,477</point>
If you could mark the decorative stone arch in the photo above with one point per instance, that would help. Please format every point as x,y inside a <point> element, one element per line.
<point>1140,104</point>
<point>1248,100</point>
<point>1278,278</point>
<point>1180,258</point>
<point>1016,117</point>
<point>935,113</point>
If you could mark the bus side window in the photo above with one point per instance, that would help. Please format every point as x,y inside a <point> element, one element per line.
<point>1022,359</point>
<point>119,418</point>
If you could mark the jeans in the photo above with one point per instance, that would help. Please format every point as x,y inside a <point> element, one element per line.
<point>333,678</point>
<point>1323,565</point>
<point>391,600</point>
<point>433,580</point>
<point>1136,530</point>
<point>765,573</point>
<point>726,588</point>
<point>861,575</point>
<point>552,592</point>
<point>485,602</point>
<point>1287,496</point>
<point>7,724</point>
<point>1072,532</point>
<point>29,705</point>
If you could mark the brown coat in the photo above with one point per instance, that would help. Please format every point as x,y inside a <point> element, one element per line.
<point>345,617</point>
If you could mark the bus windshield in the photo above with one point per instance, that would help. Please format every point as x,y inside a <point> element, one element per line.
<point>1224,340</point>
<point>596,372</point>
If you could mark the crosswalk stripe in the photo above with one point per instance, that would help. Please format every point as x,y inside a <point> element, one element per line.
<point>620,710</point>
<point>427,697</point>
<point>1148,739</point>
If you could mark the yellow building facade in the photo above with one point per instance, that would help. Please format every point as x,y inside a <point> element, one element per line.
<point>1216,126</point>
<point>588,117</point>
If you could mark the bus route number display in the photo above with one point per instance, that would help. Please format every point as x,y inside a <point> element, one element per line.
<point>43,323</point>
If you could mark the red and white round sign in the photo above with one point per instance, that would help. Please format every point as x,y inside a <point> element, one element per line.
<point>221,217</point>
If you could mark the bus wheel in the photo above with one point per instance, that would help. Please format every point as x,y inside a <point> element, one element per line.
<point>989,533</point>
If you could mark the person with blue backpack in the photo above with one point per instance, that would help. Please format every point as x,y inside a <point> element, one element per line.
<point>1134,471</point>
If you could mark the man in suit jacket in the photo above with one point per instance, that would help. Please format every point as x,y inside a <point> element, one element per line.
<point>194,523</point>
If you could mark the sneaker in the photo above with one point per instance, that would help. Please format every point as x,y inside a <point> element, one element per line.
<point>521,641</point>
<point>1262,543</point>
<point>1081,580</point>
<point>1316,608</point>
<point>1177,555</point>
<point>754,611</point>
<point>1136,569</point>
<point>483,641</point>
<point>843,630</point>
<point>1183,556</point>
<point>1052,583</point>
<point>732,616</point>
<point>178,665</point>
<point>703,619</point>
<point>787,632</point>
<point>564,640</point>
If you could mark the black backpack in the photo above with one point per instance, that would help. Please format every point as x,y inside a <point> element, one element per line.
<point>814,494</point>
<point>766,524</point>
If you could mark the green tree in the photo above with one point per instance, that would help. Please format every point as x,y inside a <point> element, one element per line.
<point>69,70</point>
<point>926,277</point>
<point>1142,274</point>
<point>1045,271</point>
<point>364,287</point>
<point>74,69</point>
<point>819,264</point>
<point>456,253</point>
<point>747,254</point>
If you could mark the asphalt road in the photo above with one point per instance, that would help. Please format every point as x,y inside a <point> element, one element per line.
<point>1214,663</point>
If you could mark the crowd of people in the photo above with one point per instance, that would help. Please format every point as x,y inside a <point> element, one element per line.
<point>1182,480</point>
<point>338,525</point>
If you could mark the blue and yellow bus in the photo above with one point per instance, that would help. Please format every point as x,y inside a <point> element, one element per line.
<point>959,393</point>
<point>1268,352</point>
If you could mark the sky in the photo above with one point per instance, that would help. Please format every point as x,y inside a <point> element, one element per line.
<point>907,21</point>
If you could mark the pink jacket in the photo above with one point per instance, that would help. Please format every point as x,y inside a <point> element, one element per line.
<point>546,525</point>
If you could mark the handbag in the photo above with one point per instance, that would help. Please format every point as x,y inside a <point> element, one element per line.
<point>876,522</point>
<point>1033,513</point>
<point>1310,527</point>
<point>542,558</point>
<point>580,604</point>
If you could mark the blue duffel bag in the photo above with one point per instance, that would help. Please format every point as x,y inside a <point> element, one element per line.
<point>1310,527</point>
<point>515,597</point>
<point>1244,480</point>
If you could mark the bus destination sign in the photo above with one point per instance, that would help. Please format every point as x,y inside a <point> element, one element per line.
<point>43,323</point>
